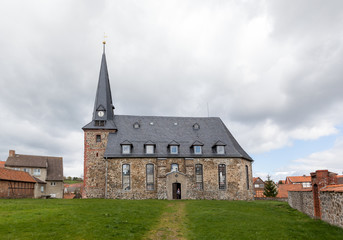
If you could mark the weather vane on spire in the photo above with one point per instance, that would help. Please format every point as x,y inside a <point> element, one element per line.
<point>104,42</point>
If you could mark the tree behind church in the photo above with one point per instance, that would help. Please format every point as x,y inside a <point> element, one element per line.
<point>270,188</point>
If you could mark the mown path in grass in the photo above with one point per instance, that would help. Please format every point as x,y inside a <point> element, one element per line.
<point>171,223</point>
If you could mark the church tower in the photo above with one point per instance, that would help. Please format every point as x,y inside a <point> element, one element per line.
<point>96,135</point>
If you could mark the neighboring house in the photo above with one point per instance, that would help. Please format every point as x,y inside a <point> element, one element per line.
<point>339,179</point>
<point>294,183</point>
<point>258,184</point>
<point>284,188</point>
<point>70,190</point>
<point>144,157</point>
<point>16,184</point>
<point>305,181</point>
<point>48,172</point>
<point>2,164</point>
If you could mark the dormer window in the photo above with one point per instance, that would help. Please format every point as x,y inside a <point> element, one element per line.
<point>219,147</point>
<point>173,147</point>
<point>197,149</point>
<point>220,150</point>
<point>136,125</point>
<point>126,147</point>
<point>149,149</point>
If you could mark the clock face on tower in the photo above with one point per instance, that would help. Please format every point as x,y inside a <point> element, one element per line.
<point>101,113</point>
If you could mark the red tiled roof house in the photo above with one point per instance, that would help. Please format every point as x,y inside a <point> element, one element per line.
<point>16,184</point>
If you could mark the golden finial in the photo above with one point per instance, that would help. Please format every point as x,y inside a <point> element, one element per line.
<point>104,42</point>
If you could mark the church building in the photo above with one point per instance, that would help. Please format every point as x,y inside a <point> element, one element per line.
<point>157,157</point>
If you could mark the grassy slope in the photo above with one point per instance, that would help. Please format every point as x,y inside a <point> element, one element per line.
<point>254,220</point>
<point>77,219</point>
<point>128,219</point>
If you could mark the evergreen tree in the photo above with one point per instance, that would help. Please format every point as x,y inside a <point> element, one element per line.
<point>270,188</point>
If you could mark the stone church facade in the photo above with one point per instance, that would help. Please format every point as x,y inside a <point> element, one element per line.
<point>152,157</point>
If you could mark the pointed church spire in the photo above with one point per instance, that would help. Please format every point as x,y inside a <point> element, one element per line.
<point>103,107</point>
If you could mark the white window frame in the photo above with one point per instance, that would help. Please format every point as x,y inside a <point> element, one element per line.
<point>126,148</point>
<point>174,149</point>
<point>173,168</point>
<point>26,170</point>
<point>149,149</point>
<point>41,189</point>
<point>220,149</point>
<point>197,149</point>
<point>36,172</point>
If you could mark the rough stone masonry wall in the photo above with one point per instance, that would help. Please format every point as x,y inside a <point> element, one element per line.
<point>94,164</point>
<point>236,186</point>
<point>302,201</point>
<point>332,207</point>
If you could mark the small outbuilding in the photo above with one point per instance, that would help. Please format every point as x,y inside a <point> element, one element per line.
<point>16,184</point>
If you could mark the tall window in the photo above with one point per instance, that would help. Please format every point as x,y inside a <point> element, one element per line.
<point>126,176</point>
<point>174,167</point>
<point>198,177</point>
<point>222,176</point>
<point>150,177</point>
<point>98,138</point>
<point>247,175</point>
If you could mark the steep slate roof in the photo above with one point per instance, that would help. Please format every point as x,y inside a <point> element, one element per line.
<point>164,130</point>
<point>54,165</point>
<point>14,175</point>
<point>103,100</point>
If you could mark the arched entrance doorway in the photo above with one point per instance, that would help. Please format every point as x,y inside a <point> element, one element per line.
<point>176,187</point>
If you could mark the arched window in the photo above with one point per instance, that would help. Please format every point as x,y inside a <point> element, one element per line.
<point>150,177</point>
<point>198,176</point>
<point>247,175</point>
<point>222,176</point>
<point>126,176</point>
<point>174,167</point>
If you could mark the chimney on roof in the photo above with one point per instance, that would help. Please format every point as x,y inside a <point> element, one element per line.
<point>11,153</point>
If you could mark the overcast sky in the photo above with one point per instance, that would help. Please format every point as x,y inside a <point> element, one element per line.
<point>272,70</point>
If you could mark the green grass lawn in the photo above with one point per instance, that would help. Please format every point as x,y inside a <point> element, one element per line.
<point>72,181</point>
<point>254,220</point>
<point>130,219</point>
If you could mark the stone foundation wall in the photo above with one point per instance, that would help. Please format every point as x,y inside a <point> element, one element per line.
<point>302,201</point>
<point>332,207</point>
